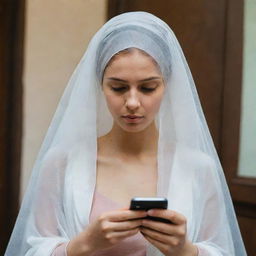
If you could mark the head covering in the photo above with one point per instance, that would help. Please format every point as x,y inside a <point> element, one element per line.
<point>58,200</point>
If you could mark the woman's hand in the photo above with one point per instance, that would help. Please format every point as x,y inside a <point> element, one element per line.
<point>106,231</point>
<point>170,239</point>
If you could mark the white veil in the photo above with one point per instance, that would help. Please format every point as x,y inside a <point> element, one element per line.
<point>57,203</point>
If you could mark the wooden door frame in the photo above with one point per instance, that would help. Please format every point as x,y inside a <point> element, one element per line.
<point>11,66</point>
<point>242,188</point>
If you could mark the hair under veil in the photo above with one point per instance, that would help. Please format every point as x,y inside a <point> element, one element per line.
<point>57,203</point>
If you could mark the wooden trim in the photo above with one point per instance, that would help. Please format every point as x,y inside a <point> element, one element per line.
<point>249,181</point>
<point>11,55</point>
<point>232,88</point>
<point>243,193</point>
<point>242,188</point>
<point>245,210</point>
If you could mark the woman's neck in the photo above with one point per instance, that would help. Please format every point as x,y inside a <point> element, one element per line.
<point>139,144</point>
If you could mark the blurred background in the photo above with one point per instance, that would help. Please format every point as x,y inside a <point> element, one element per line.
<point>42,41</point>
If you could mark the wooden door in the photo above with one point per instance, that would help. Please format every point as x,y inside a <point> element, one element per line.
<point>11,59</point>
<point>211,36</point>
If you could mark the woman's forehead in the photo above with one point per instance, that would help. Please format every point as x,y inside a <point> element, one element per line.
<point>135,63</point>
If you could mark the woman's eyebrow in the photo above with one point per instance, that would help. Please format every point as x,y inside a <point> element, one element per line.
<point>143,80</point>
<point>117,79</point>
<point>151,78</point>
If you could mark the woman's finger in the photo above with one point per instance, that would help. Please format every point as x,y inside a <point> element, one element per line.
<point>123,215</point>
<point>120,226</point>
<point>173,216</point>
<point>170,229</point>
<point>160,237</point>
<point>162,247</point>
<point>114,237</point>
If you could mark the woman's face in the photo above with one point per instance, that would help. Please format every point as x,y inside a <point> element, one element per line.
<point>133,86</point>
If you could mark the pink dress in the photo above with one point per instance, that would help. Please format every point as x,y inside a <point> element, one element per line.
<point>131,246</point>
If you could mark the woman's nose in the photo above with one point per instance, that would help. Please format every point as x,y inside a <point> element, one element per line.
<point>132,101</point>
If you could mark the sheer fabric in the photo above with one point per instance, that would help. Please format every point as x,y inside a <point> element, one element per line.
<point>58,200</point>
<point>60,250</point>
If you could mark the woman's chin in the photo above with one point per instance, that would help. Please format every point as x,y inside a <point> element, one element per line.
<point>133,128</point>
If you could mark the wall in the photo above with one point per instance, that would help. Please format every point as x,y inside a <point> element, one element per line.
<point>56,35</point>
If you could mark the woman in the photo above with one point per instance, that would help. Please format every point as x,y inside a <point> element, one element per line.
<point>129,124</point>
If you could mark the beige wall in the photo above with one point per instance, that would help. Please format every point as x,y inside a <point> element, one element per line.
<point>57,33</point>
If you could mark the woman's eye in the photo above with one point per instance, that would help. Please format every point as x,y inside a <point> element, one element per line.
<point>118,89</point>
<point>147,89</point>
<point>124,88</point>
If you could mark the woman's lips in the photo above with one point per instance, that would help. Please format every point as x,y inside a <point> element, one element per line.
<point>132,119</point>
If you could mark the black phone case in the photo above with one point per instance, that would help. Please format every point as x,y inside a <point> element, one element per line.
<point>145,204</point>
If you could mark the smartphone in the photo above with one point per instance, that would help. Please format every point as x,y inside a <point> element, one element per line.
<point>147,203</point>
